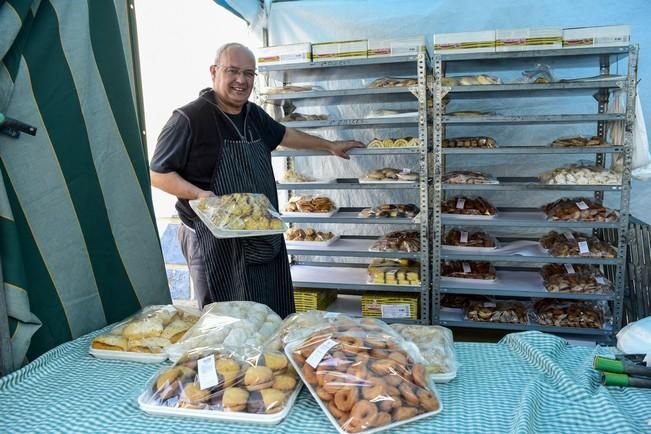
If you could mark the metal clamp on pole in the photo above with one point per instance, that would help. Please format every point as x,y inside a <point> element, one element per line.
<point>13,128</point>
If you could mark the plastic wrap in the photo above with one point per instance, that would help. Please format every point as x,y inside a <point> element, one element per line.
<point>635,338</point>
<point>579,209</point>
<point>149,331</point>
<point>581,174</point>
<point>578,142</point>
<point>474,206</point>
<point>238,215</point>
<point>308,234</point>
<point>436,345</point>
<point>397,241</point>
<point>291,176</point>
<point>469,142</point>
<point>501,311</point>
<point>579,282</point>
<point>458,237</point>
<point>470,80</point>
<point>568,244</point>
<point>235,324</point>
<point>477,270</point>
<point>394,272</point>
<point>564,313</point>
<point>402,142</point>
<point>217,382</point>
<point>468,177</point>
<point>389,174</point>
<point>391,211</point>
<point>310,205</point>
<point>456,301</point>
<point>364,375</point>
<point>393,82</point>
<point>296,116</point>
<point>541,74</point>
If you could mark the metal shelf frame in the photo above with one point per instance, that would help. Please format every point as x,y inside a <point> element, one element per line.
<point>358,246</point>
<point>349,184</point>
<point>513,217</point>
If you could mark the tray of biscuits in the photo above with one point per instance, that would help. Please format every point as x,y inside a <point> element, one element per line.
<point>387,210</point>
<point>468,177</point>
<point>468,240</point>
<point>397,241</point>
<point>238,215</point>
<point>468,206</point>
<point>389,174</point>
<point>502,311</point>
<point>568,313</point>
<point>468,271</point>
<point>469,142</point>
<point>309,237</point>
<point>572,243</point>
<point>579,278</point>
<point>579,209</point>
<point>218,383</point>
<point>310,206</point>
<point>145,336</point>
<point>364,375</point>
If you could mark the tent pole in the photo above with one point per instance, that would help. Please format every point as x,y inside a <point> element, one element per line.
<point>6,352</point>
<point>135,58</point>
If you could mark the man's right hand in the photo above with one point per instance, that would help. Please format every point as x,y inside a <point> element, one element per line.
<point>205,193</point>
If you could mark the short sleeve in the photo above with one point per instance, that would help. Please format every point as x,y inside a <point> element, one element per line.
<point>173,146</point>
<point>273,132</point>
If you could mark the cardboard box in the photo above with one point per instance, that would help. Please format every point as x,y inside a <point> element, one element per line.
<point>284,54</point>
<point>339,50</point>
<point>465,42</point>
<point>396,47</point>
<point>599,36</point>
<point>528,39</point>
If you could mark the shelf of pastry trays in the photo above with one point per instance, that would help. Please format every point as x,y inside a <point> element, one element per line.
<point>349,277</point>
<point>514,217</point>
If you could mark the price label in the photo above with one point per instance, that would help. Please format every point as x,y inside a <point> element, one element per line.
<point>466,268</point>
<point>569,268</point>
<point>464,237</point>
<point>206,372</point>
<point>396,311</point>
<point>568,235</point>
<point>582,205</point>
<point>461,203</point>
<point>319,352</point>
<point>600,280</point>
<point>583,247</point>
<point>405,171</point>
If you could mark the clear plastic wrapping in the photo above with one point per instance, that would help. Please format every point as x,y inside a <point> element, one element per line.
<point>394,272</point>
<point>478,270</point>
<point>578,142</point>
<point>393,82</point>
<point>470,80</point>
<point>235,324</point>
<point>397,241</point>
<point>581,174</point>
<point>565,313</point>
<point>468,177</point>
<point>294,176</point>
<point>475,206</point>
<point>389,174</point>
<point>310,204</point>
<point>386,210</point>
<point>469,142</point>
<point>578,282</point>
<point>151,330</point>
<point>541,74</point>
<point>459,237</point>
<point>436,345</point>
<point>238,215</point>
<point>307,234</point>
<point>579,209</point>
<point>364,375</point>
<point>296,116</point>
<point>402,142</point>
<point>576,244</point>
<point>502,311</point>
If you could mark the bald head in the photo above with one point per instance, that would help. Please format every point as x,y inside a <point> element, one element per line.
<point>232,46</point>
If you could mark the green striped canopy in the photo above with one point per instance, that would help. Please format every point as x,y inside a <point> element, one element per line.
<point>78,241</point>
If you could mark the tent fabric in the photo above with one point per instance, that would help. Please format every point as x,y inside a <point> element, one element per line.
<point>249,10</point>
<point>78,241</point>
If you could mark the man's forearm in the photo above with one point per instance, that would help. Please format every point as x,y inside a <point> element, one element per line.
<point>296,139</point>
<point>174,184</point>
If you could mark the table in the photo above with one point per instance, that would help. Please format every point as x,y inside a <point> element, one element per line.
<point>528,382</point>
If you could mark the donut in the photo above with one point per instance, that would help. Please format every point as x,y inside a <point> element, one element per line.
<point>398,357</point>
<point>378,353</point>
<point>357,371</point>
<point>407,392</point>
<point>376,342</point>
<point>332,408</point>
<point>388,404</point>
<point>375,388</point>
<point>419,375</point>
<point>393,380</point>
<point>362,357</point>
<point>351,345</point>
<point>392,390</point>
<point>403,413</point>
<point>298,357</point>
<point>346,398</point>
<point>325,396</point>
<point>342,362</point>
<point>383,367</point>
<point>332,381</point>
<point>428,400</point>
<point>382,418</point>
<point>309,374</point>
<point>363,414</point>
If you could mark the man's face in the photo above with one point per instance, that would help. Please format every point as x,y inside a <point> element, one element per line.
<point>233,78</point>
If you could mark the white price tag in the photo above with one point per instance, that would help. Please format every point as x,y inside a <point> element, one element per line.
<point>405,171</point>
<point>319,352</point>
<point>490,304</point>
<point>206,372</point>
<point>600,280</point>
<point>568,236</point>
<point>583,247</point>
<point>647,359</point>
<point>396,311</point>
<point>569,268</point>
<point>461,203</point>
<point>582,205</point>
<point>464,237</point>
<point>466,268</point>
<point>330,315</point>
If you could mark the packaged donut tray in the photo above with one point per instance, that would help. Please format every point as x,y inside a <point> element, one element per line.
<point>218,383</point>
<point>364,376</point>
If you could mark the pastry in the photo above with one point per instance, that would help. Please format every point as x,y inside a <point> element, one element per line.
<point>148,345</point>
<point>458,237</point>
<point>398,241</point>
<point>110,342</point>
<point>258,377</point>
<point>579,209</point>
<point>235,399</point>
<point>143,328</point>
<point>468,270</point>
<point>468,206</point>
<point>277,362</point>
<point>469,142</point>
<point>284,382</point>
<point>466,177</point>
<point>578,141</point>
<point>175,330</point>
<point>193,394</point>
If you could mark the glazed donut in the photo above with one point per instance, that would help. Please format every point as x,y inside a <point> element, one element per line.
<point>346,398</point>
<point>382,418</point>
<point>363,414</point>
<point>325,396</point>
<point>419,375</point>
<point>332,381</point>
<point>351,345</point>
<point>374,389</point>
<point>342,361</point>
<point>358,370</point>
<point>383,367</point>
<point>392,390</point>
<point>403,413</point>
<point>310,374</point>
<point>332,408</point>
<point>388,404</point>
<point>427,400</point>
<point>362,357</point>
<point>399,357</point>
<point>407,392</point>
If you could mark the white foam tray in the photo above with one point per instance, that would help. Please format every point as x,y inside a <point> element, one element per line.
<point>299,244</point>
<point>309,214</point>
<point>316,181</point>
<point>128,356</point>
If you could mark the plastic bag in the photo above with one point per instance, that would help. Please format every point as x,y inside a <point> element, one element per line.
<point>541,74</point>
<point>393,82</point>
<point>307,234</point>
<point>470,80</point>
<point>468,270</point>
<point>294,176</point>
<point>390,174</point>
<point>364,375</point>
<point>397,241</point>
<point>579,209</point>
<point>408,210</point>
<point>635,338</point>
<point>468,177</point>
<point>223,380</point>
<point>463,205</point>
<point>238,215</point>
<point>151,330</point>
<point>234,324</point>
<point>394,272</point>
<point>564,313</point>
<point>576,244</point>
<point>578,142</point>
<point>310,204</point>
<point>501,311</point>
<point>436,345</point>
<point>462,237</point>
<point>469,142</point>
<point>581,174</point>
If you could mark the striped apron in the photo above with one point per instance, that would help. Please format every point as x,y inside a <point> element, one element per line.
<point>253,268</point>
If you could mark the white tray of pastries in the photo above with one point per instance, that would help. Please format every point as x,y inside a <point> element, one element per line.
<point>309,206</point>
<point>309,237</point>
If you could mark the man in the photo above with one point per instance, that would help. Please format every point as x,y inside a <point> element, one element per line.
<point>221,144</point>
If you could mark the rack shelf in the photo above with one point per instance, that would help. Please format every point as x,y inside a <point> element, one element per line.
<point>355,152</point>
<point>533,150</point>
<point>386,94</point>
<point>521,217</point>
<point>532,119</point>
<point>531,90</point>
<point>348,184</point>
<point>530,183</point>
<point>351,216</point>
<point>400,121</point>
<point>562,52</point>
<point>340,276</point>
<point>374,61</point>
<point>348,246</point>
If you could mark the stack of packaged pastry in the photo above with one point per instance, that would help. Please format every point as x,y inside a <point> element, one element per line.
<point>578,142</point>
<point>474,206</point>
<point>309,204</point>
<point>468,270</point>
<point>470,80</point>
<point>463,238</point>
<point>403,142</point>
<point>435,344</point>
<point>468,177</point>
<point>578,278</point>
<point>294,176</point>
<point>398,241</point>
<point>238,212</point>
<point>469,142</point>
<point>502,311</point>
<point>572,243</point>
<point>579,209</point>
<point>387,210</point>
<point>394,272</point>
<point>391,174</point>
<point>393,82</point>
<point>307,234</point>
<point>567,313</point>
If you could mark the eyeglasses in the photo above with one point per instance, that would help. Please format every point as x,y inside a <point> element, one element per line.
<point>249,74</point>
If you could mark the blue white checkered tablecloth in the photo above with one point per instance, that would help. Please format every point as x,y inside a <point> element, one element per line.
<point>528,383</point>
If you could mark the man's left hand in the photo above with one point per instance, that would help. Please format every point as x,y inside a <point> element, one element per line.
<point>340,148</point>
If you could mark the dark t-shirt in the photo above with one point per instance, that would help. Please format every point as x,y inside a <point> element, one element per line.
<point>175,142</point>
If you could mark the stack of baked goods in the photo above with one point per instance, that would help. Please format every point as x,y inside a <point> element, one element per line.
<point>468,270</point>
<point>149,331</point>
<point>393,82</point>
<point>463,238</point>
<point>578,142</point>
<point>474,206</point>
<point>565,313</point>
<point>222,380</point>
<point>303,117</point>
<point>578,278</point>
<point>391,174</point>
<point>307,234</point>
<point>468,177</point>
<point>238,212</point>
<point>294,176</point>
<point>310,204</point>
<point>579,209</point>
<point>397,241</point>
<point>391,211</point>
<point>436,346</point>
<point>469,142</point>
<point>364,375</point>
<point>581,174</point>
<point>470,80</point>
<point>502,311</point>
<point>576,244</point>
<point>394,272</point>
<point>403,142</point>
